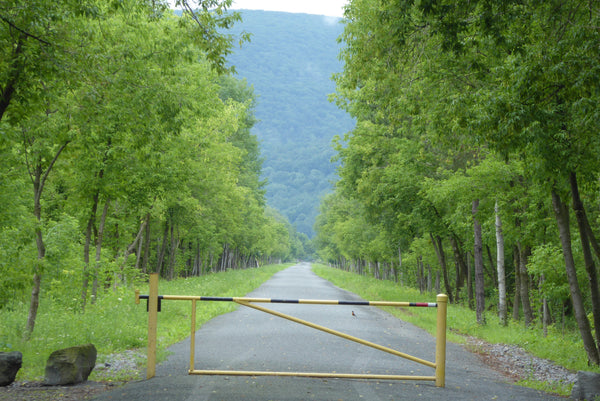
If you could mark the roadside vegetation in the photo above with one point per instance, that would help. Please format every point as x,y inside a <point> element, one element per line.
<point>116,324</point>
<point>561,345</point>
<point>125,149</point>
<point>473,167</point>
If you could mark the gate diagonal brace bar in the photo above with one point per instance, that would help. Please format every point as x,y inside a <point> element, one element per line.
<point>320,375</point>
<point>339,334</point>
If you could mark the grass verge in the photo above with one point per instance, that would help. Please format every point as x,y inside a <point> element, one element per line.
<point>565,349</point>
<point>116,324</point>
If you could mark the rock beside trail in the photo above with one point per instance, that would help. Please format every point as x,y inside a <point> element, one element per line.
<point>587,386</point>
<point>70,365</point>
<point>10,363</point>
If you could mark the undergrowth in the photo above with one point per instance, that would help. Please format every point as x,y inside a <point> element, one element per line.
<point>115,323</point>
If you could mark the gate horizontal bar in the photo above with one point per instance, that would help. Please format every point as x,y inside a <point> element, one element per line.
<point>294,301</point>
<point>309,374</point>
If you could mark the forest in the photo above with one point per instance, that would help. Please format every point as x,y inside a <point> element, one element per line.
<point>473,169</point>
<point>125,149</point>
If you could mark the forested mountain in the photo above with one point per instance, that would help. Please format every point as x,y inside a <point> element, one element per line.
<point>290,61</point>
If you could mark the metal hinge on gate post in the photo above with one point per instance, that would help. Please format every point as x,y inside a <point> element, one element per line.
<point>147,298</point>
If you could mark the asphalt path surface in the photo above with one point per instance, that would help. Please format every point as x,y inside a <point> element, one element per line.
<point>247,339</point>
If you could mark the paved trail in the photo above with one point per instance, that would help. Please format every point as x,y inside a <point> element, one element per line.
<point>251,340</point>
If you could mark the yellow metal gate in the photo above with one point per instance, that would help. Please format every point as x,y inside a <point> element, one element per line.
<point>440,354</point>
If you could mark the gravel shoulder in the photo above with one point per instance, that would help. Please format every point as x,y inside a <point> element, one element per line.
<point>518,364</point>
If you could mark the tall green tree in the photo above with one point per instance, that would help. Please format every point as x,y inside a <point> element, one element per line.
<point>67,82</point>
<point>516,78</point>
<point>37,73</point>
<point>540,109</point>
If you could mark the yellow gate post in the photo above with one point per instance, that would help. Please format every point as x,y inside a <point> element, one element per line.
<point>152,324</point>
<point>440,341</point>
<point>193,336</point>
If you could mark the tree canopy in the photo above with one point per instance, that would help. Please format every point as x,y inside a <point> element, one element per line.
<point>476,137</point>
<point>125,149</point>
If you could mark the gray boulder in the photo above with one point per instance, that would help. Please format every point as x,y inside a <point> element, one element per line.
<point>70,365</point>
<point>587,386</point>
<point>10,363</point>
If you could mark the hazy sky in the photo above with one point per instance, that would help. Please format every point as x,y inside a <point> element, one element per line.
<point>321,7</point>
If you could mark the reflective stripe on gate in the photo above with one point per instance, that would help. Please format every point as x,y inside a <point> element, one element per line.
<point>440,356</point>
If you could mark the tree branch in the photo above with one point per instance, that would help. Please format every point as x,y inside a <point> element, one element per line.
<point>24,32</point>
<point>43,180</point>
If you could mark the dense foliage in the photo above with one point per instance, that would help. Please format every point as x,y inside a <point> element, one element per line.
<point>125,148</point>
<point>473,168</point>
<point>289,62</point>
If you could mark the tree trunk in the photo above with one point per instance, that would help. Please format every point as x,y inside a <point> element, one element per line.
<point>470,298</point>
<point>225,258</point>
<point>197,269</point>
<point>524,252</point>
<point>399,270</point>
<point>545,316</point>
<point>500,268</point>
<point>439,251</point>
<point>189,264</point>
<point>562,219</point>
<point>461,267</point>
<point>592,237</point>
<point>86,249</point>
<point>34,302</point>
<point>491,272</point>
<point>99,238</point>
<point>41,254</point>
<point>146,245</point>
<point>590,265</point>
<point>545,312</point>
<point>429,277</point>
<point>420,273</point>
<point>479,275</point>
<point>38,177</point>
<point>172,251</point>
<point>517,296</point>
<point>163,248</point>
<point>137,243</point>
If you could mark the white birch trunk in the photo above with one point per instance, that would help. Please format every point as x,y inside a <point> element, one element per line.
<point>500,267</point>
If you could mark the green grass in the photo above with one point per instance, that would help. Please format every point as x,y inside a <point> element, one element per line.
<point>564,349</point>
<point>115,323</point>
